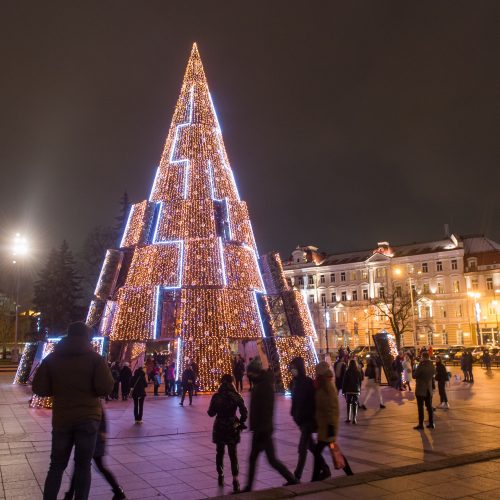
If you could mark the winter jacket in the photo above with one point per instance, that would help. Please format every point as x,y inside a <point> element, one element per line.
<point>262,403</point>
<point>139,384</point>
<point>339,368</point>
<point>424,376</point>
<point>125,375</point>
<point>352,381</point>
<point>223,406</point>
<point>188,377</point>
<point>100,444</point>
<point>76,376</point>
<point>441,373</point>
<point>238,369</point>
<point>303,399</point>
<point>327,413</point>
<point>407,368</point>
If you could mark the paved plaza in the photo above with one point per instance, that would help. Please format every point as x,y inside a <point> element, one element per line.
<point>171,454</point>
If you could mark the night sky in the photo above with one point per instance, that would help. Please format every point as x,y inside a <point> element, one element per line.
<point>346,123</point>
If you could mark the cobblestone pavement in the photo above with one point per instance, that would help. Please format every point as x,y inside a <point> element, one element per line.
<point>171,454</point>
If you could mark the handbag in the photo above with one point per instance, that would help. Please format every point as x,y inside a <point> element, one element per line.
<point>337,457</point>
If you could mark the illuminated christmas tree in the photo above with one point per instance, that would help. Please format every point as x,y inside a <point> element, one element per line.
<point>187,268</point>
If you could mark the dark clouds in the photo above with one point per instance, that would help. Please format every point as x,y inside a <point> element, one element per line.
<point>345,122</point>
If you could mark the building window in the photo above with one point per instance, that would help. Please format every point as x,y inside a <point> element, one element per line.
<point>460,337</point>
<point>354,295</point>
<point>398,291</point>
<point>427,312</point>
<point>440,287</point>
<point>425,267</point>
<point>342,276</point>
<point>475,284</point>
<point>301,280</point>
<point>456,286</point>
<point>492,310</point>
<point>334,297</point>
<point>380,272</point>
<point>353,276</point>
<point>311,299</point>
<point>430,338</point>
<point>332,278</point>
<point>472,264</point>
<point>489,283</point>
<point>426,288</point>
<point>365,294</point>
<point>323,299</point>
<point>439,266</point>
<point>364,274</point>
<point>322,278</point>
<point>344,296</point>
<point>445,338</point>
<point>381,292</point>
<point>311,280</point>
<point>454,264</point>
<point>442,310</point>
<point>459,311</point>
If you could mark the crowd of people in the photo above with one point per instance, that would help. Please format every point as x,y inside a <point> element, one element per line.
<point>78,379</point>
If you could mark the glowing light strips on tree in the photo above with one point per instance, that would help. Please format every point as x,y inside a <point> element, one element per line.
<point>26,363</point>
<point>138,224</point>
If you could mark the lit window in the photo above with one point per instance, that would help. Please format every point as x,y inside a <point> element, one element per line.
<point>425,267</point>
<point>439,266</point>
<point>459,311</point>
<point>445,338</point>
<point>440,287</point>
<point>475,284</point>
<point>426,288</point>
<point>442,310</point>
<point>364,274</point>
<point>456,286</point>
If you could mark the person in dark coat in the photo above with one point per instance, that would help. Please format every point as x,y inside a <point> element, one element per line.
<point>99,452</point>
<point>227,427</point>
<point>469,360</point>
<point>188,381</point>
<point>261,422</point>
<point>76,377</point>
<point>441,379</point>
<point>351,389</point>
<point>424,377</point>
<point>196,371</point>
<point>115,372</point>
<point>487,359</point>
<point>339,368</point>
<point>239,372</point>
<point>397,366</point>
<point>303,413</point>
<point>139,384</point>
<point>463,366</point>
<point>125,378</point>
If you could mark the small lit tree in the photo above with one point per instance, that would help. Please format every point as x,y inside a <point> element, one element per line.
<point>396,309</point>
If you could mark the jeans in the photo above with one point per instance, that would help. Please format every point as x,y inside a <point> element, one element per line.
<point>188,389</point>
<point>427,400</point>
<point>83,437</point>
<point>219,458</point>
<point>108,475</point>
<point>138,407</point>
<point>442,391</point>
<point>370,387</point>
<point>306,442</point>
<point>263,441</point>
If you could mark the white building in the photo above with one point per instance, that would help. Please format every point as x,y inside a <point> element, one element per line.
<point>450,282</point>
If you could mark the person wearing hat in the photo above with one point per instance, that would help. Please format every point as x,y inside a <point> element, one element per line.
<point>76,377</point>
<point>261,422</point>
<point>303,414</point>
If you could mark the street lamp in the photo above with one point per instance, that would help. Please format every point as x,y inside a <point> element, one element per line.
<point>19,250</point>
<point>327,324</point>
<point>477,314</point>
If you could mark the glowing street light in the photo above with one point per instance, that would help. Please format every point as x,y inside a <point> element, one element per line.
<point>20,249</point>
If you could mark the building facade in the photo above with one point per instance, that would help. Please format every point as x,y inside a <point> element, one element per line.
<point>451,286</point>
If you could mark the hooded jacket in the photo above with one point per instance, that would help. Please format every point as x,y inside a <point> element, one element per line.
<point>76,376</point>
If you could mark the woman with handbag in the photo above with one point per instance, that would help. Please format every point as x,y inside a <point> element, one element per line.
<point>327,420</point>
<point>227,427</point>
<point>139,385</point>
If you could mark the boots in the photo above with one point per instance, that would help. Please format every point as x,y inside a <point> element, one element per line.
<point>354,413</point>
<point>119,494</point>
<point>348,420</point>
<point>236,486</point>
